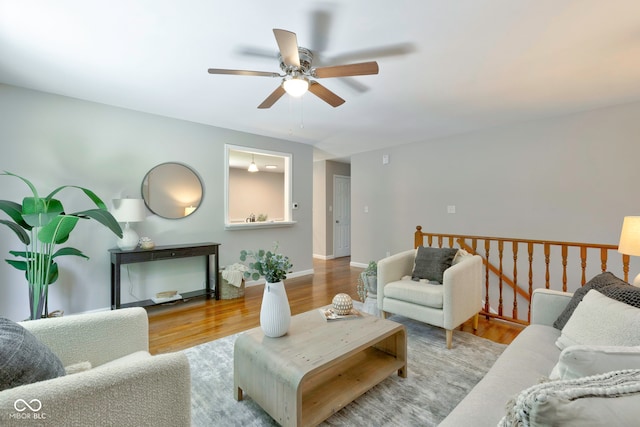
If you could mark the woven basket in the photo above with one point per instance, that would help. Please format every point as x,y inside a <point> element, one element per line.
<point>228,291</point>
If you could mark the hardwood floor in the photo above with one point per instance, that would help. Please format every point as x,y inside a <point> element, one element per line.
<point>183,325</point>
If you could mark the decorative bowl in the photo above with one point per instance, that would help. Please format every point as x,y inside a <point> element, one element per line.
<point>342,304</point>
<point>146,243</point>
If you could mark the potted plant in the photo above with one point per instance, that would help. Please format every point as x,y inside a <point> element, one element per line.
<point>275,313</point>
<point>41,223</point>
<point>369,278</point>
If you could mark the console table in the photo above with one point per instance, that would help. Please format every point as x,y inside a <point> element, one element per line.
<point>120,257</point>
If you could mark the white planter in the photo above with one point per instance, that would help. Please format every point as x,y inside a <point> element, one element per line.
<point>275,313</point>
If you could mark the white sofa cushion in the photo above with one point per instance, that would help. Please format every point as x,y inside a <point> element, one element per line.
<point>600,320</point>
<point>426,294</point>
<point>584,360</point>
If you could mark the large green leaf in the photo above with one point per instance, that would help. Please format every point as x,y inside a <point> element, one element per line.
<point>22,235</point>
<point>94,198</point>
<point>68,251</point>
<point>14,210</point>
<point>58,230</point>
<point>20,265</point>
<point>40,212</point>
<point>104,218</point>
<point>23,266</point>
<point>26,181</point>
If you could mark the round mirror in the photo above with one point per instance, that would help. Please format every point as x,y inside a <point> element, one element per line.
<point>172,190</point>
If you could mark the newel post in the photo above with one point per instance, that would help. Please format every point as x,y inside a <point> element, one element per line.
<point>418,239</point>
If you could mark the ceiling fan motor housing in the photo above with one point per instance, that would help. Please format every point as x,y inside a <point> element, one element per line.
<point>306,56</point>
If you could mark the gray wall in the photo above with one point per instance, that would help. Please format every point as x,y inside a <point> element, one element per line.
<point>572,178</point>
<point>53,141</point>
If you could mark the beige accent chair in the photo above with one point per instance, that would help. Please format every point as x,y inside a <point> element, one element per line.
<point>124,386</point>
<point>448,305</point>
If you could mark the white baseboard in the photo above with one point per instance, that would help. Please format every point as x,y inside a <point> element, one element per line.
<point>358,264</point>
<point>289,276</point>
<point>323,257</point>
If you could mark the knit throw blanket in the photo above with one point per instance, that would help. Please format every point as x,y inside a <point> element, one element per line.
<point>609,385</point>
<point>234,274</point>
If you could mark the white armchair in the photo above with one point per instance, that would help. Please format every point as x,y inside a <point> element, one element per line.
<point>125,385</point>
<point>445,305</point>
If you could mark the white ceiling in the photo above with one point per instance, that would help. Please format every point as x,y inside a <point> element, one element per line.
<point>472,64</point>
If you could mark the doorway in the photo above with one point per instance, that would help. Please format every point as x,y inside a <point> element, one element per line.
<point>341,216</point>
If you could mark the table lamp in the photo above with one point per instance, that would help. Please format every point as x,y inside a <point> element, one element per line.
<point>630,240</point>
<point>127,211</point>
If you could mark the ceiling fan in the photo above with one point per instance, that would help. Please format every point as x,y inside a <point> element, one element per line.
<point>299,75</point>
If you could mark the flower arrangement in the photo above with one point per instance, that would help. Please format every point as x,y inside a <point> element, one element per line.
<point>268,264</point>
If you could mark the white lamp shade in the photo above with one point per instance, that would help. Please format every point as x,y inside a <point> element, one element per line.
<point>129,210</point>
<point>630,236</point>
<point>296,86</point>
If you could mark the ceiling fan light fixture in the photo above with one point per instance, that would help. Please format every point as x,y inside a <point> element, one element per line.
<point>252,166</point>
<point>296,86</point>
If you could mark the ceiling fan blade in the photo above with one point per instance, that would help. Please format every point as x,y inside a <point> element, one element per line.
<point>243,72</point>
<point>361,69</point>
<point>271,99</point>
<point>325,94</point>
<point>376,52</point>
<point>320,26</point>
<point>288,45</point>
<point>257,52</point>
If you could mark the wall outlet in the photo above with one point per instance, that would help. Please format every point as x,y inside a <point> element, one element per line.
<point>451,209</point>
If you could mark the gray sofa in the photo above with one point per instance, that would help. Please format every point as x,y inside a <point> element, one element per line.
<point>527,360</point>
<point>593,381</point>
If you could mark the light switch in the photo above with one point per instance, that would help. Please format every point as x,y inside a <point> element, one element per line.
<point>366,209</point>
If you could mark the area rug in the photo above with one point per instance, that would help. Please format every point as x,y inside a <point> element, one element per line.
<point>437,380</point>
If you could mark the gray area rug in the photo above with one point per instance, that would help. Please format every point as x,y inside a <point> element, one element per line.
<point>437,380</point>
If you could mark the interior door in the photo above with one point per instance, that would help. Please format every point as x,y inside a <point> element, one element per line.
<point>341,216</point>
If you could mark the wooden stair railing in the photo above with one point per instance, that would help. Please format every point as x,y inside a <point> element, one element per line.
<point>562,276</point>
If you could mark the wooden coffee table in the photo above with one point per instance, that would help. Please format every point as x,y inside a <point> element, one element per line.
<point>319,367</point>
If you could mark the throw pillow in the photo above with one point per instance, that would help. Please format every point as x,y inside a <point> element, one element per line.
<point>461,255</point>
<point>599,400</point>
<point>23,358</point>
<point>623,292</point>
<point>598,282</point>
<point>600,320</point>
<point>431,263</point>
<point>584,360</point>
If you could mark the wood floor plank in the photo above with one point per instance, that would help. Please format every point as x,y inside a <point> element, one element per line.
<point>182,325</point>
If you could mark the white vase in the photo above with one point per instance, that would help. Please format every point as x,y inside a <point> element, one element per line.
<point>275,313</point>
